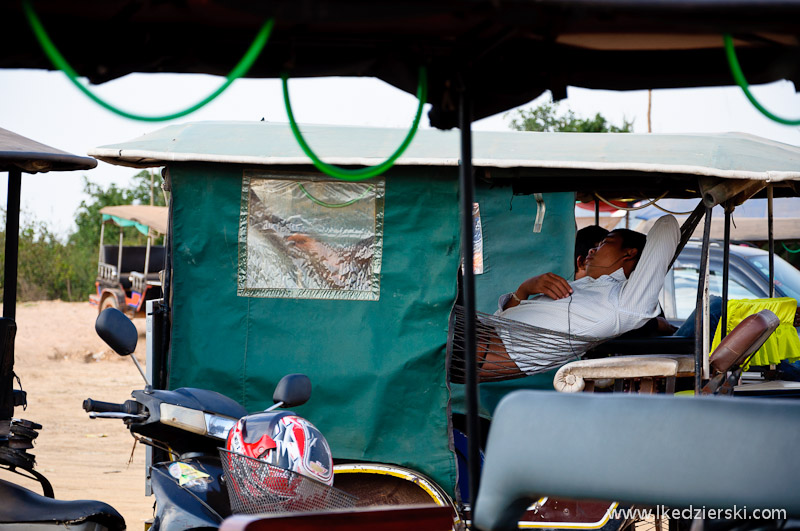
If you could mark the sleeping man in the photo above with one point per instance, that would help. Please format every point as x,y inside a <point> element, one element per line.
<point>624,275</point>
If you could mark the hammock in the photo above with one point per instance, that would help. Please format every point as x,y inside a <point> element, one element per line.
<point>535,349</point>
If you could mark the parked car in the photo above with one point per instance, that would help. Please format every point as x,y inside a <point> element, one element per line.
<point>748,277</point>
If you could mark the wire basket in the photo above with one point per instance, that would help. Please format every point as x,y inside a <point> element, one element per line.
<point>255,486</point>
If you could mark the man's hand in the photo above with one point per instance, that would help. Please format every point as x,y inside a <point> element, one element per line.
<point>548,284</point>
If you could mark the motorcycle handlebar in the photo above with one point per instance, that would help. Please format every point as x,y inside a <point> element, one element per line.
<point>131,407</point>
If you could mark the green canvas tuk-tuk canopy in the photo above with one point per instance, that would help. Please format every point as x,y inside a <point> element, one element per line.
<point>278,269</point>
<point>375,355</point>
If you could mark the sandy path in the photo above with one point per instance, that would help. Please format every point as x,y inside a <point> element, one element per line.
<point>61,361</point>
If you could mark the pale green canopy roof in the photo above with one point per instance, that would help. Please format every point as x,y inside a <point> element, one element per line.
<point>143,217</point>
<point>729,155</point>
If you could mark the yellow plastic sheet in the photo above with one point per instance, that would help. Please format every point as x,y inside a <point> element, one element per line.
<point>783,344</point>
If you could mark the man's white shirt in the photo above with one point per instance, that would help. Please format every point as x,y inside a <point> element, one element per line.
<point>605,307</point>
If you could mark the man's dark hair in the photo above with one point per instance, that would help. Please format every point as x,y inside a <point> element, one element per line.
<point>588,238</point>
<point>631,240</point>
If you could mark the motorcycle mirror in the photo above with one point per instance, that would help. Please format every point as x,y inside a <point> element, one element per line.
<point>120,334</point>
<point>293,390</point>
<point>117,331</point>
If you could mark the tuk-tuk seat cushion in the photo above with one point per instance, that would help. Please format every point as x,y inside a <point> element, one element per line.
<point>643,449</point>
<point>685,364</point>
<point>571,377</point>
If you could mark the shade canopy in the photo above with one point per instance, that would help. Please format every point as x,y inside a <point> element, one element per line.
<point>22,153</point>
<point>144,217</point>
<point>506,52</point>
<point>638,165</point>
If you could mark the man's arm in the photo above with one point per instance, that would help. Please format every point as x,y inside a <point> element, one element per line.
<point>643,286</point>
<point>548,284</point>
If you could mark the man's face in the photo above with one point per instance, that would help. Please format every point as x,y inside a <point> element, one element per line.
<point>606,257</point>
<point>580,265</point>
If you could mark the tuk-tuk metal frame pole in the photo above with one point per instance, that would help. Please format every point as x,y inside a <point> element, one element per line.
<point>726,258</point>
<point>12,244</point>
<point>119,257</point>
<point>147,254</point>
<point>466,183</point>
<point>771,237</point>
<point>102,235</point>
<point>596,211</point>
<point>698,314</point>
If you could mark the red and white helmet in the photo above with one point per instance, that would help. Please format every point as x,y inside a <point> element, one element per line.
<point>284,440</point>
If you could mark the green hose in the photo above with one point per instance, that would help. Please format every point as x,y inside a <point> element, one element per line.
<point>358,174</point>
<point>60,63</point>
<point>738,76</point>
<point>793,251</point>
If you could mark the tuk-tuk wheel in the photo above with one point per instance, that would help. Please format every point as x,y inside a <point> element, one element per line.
<point>108,302</point>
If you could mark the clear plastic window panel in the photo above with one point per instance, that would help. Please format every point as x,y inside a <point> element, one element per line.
<point>310,238</point>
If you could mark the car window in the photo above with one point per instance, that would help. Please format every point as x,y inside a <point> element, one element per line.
<point>787,278</point>
<point>686,289</point>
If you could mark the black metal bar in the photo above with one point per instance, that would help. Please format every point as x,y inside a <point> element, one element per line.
<point>467,191</point>
<point>596,211</point>
<point>12,244</point>
<point>687,229</point>
<point>771,236</point>
<point>698,314</point>
<point>726,259</point>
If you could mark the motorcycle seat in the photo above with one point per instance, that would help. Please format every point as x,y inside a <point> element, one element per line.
<point>20,505</point>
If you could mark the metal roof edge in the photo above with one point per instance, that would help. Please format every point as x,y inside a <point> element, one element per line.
<point>143,159</point>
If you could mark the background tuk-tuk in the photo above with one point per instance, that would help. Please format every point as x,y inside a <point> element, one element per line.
<point>357,284</point>
<point>129,275</point>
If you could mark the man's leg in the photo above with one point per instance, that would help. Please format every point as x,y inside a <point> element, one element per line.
<point>714,314</point>
<point>494,362</point>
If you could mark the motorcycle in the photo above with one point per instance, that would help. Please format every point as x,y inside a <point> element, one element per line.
<point>21,509</point>
<point>194,477</point>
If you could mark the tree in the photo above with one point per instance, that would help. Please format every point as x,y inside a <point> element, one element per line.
<point>51,269</point>
<point>545,117</point>
<point>88,217</point>
<point>47,268</point>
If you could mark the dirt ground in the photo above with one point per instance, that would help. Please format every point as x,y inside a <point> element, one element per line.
<point>61,362</point>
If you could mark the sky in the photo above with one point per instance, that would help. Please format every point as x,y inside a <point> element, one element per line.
<point>46,107</point>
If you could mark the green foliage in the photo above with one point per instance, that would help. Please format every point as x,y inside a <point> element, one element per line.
<point>88,217</point>
<point>545,117</point>
<point>49,268</point>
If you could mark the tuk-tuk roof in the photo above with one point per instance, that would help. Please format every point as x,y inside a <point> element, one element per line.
<point>153,217</point>
<point>727,155</point>
<point>30,156</point>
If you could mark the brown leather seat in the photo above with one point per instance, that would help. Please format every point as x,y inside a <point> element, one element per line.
<point>743,341</point>
<point>736,349</point>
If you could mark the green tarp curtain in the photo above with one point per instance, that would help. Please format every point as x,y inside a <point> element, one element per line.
<point>512,253</point>
<point>377,367</point>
